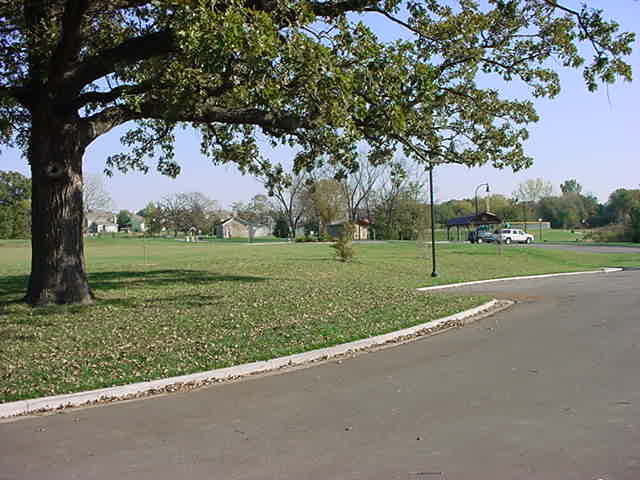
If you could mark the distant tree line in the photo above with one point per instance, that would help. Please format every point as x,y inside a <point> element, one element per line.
<point>391,199</point>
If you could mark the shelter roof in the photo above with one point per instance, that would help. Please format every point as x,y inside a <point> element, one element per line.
<point>484,218</point>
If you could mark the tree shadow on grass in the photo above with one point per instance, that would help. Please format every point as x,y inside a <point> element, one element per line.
<point>161,278</point>
<point>183,301</point>
<point>12,285</point>
<point>14,328</point>
<point>16,285</point>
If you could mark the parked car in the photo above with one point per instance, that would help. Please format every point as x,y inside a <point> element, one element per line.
<point>481,236</point>
<point>508,235</point>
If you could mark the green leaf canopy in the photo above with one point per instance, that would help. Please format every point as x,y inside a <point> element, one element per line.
<point>313,74</point>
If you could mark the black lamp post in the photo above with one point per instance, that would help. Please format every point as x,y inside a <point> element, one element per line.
<point>524,213</point>
<point>434,272</point>
<point>427,160</point>
<point>540,227</point>
<point>476,194</point>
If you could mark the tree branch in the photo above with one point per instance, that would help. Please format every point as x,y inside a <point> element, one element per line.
<point>149,85</point>
<point>112,95</point>
<point>20,94</point>
<point>68,47</point>
<point>111,117</point>
<point>554,4</point>
<point>335,9</point>
<point>402,23</point>
<point>103,121</point>
<point>128,52</point>
<point>585,30</point>
<point>7,92</point>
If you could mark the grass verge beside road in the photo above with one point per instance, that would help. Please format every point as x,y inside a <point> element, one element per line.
<point>574,237</point>
<point>557,235</point>
<point>168,309</point>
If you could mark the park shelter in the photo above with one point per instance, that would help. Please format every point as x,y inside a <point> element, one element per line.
<point>472,221</point>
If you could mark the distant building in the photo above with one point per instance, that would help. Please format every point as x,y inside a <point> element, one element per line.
<point>137,223</point>
<point>472,221</point>
<point>100,221</point>
<point>237,228</point>
<point>361,231</point>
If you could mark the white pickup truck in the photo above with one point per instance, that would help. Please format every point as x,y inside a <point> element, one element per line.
<point>508,235</point>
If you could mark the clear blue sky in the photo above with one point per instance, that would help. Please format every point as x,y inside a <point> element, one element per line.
<point>592,137</point>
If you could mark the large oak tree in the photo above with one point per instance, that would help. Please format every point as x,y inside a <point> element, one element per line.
<point>309,73</point>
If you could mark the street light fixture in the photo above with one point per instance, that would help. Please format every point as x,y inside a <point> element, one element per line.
<point>476,194</point>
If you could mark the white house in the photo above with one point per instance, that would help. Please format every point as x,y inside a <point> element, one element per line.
<point>100,221</point>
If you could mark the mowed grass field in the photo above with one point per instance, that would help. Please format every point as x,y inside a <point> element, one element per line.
<point>578,237</point>
<point>168,308</point>
<point>557,235</point>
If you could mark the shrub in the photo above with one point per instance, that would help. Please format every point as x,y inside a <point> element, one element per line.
<point>343,245</point>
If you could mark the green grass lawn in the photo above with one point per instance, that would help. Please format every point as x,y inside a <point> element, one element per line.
<point>170,308</point>
<point>557,235</point>
<point>577,236</point>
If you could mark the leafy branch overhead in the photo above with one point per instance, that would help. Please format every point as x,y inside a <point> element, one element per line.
<point>305,73</point>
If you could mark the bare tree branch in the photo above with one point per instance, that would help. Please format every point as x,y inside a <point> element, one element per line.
<point>95,194</point>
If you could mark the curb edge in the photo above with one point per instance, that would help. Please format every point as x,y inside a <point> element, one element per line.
<point>123,392</point>
<point>526,277</point>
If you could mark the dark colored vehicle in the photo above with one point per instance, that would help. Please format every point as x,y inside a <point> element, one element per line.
<point>481,236</point>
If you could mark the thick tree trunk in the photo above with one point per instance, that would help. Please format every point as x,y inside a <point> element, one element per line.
<point>57,264</point>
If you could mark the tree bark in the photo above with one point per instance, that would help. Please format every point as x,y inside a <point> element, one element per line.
<point>58,273</point>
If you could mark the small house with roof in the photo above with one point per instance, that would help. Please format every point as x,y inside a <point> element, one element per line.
<point>233,227</point>
<point>137,223</point>
<point>360,232</point>
<point>100,221</point>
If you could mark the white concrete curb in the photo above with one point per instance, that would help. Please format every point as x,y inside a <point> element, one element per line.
<point>57,402</point>
<point>530,277</point>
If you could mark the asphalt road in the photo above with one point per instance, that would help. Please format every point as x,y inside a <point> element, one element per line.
<point>546,390</point>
